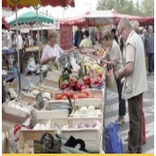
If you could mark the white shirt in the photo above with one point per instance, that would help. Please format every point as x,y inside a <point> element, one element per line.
<point>49,51</point>
<point>136,82</point>
<point>19,42</point>
<point>86,43</point>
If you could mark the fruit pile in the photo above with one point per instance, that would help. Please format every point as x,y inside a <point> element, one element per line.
<point>75,95</point>
<point>100,52</point>
<point>87,81</point>
<point>93,79</point>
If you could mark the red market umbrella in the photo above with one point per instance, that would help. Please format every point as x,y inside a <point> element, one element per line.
<point>118,16</point>
<point>5,24</point>
<point>150,20</point>
<point>18,4</point>
<point>27,3</point>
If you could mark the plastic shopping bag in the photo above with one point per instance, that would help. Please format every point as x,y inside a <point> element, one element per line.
<point>113,143</point>
<point>75,66</point>
<point>110,79</point>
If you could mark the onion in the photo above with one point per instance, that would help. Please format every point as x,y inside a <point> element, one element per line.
<point>81,125</point>
<point>96,123</point>
<point>83,110</point>
<point>91,108</point>
<point>91,114</point>
<point>87,125</point>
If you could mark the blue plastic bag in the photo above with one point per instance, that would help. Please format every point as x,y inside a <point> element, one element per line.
<point>113,143</point>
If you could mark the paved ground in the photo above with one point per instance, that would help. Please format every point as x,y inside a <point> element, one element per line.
<point>111,112</point>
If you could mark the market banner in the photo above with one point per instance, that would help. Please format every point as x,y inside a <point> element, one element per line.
<point>66,36</point>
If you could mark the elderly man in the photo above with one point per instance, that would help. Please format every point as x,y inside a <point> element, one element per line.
<point>149,49</point>
<point>135,83</point>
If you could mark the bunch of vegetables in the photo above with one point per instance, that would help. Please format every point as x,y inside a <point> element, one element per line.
<point>91,80</point>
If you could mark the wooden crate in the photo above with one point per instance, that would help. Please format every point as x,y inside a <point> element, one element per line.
<point>43,90</point>
<point>5,144</point>
<point>51,83</point>
<point>97,103</point>
<point>51,102</point>
<point>90,136</point>
<point>61,119</point>
<point>54,75</point>
<point>27,97</point>
<point>51,89</point>
<point>30,135</point>
<point>12,116</point>
<point>73,121</point>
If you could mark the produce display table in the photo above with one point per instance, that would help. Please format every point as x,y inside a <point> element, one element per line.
<point>66,117</point>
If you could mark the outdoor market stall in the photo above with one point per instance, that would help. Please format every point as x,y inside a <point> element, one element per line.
<point>81,112</point>
<point>32,124</point>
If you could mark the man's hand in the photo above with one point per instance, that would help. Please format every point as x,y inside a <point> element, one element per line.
<point>119,74</point>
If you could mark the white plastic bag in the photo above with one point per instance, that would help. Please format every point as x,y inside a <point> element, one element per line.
<point>75,66</point>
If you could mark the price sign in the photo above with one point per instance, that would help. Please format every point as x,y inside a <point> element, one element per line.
<point>40,102</point>
<point>34,120</point>
<point>12,143</point>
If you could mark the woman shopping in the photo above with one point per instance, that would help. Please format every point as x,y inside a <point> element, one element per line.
<point>113,57</point>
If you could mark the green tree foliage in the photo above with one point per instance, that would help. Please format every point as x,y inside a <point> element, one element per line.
<point>148,7</point>
<point>131,7</point>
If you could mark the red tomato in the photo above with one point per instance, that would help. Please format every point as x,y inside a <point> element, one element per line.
<point>83,95</point>
<point>64,97</point>
<point>75,97</point>
<point>65,93</point>
<point>58,96</point>
<point>71,94</point>
<point>86,92</point>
